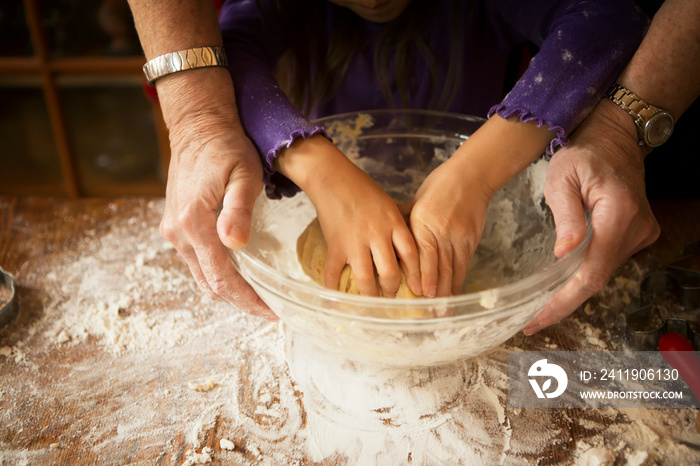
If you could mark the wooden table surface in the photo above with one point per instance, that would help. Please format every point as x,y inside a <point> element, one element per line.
<point>116,358</point>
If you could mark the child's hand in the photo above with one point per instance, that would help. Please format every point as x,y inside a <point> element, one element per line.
<point>363,227</point>
<point>447,217</point>
<point>361,224</point>
<point>448,212</point>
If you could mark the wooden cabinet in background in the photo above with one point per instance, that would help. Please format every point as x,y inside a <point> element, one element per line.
<point>74,118</point>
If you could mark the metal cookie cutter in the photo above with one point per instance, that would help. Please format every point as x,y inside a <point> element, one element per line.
<point>9,303</point>
<point>669,302</point>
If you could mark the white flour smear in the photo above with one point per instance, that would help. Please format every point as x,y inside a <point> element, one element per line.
<point>120,356</point>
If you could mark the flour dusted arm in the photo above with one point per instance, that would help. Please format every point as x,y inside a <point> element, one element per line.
<point>583,47</point>
<point>268,116</point>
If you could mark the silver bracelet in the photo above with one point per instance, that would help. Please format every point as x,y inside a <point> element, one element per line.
<point>190,59</point>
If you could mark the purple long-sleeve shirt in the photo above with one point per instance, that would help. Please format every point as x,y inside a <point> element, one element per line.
<point>583,46</point>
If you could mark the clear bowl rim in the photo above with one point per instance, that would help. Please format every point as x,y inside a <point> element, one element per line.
<point>550,274</point>
<point>415,111</point>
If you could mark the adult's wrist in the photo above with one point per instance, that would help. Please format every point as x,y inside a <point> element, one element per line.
<point>165,26</point>
<point>197,97</point>
<point>665,68</point>
<point>191,59</point>
<point>619,123</point>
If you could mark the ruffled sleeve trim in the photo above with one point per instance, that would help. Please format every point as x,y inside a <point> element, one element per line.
<point>527,116</point>
<point>276,184</point>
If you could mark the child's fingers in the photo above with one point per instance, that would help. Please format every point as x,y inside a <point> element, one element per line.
<point>462,252</point>
<point>445,268</point>
<point>363,270</point>
<point>459,273</point>
<point>428,257</point>
<point>334,266</point>
<point>407,252</point>
<point>387,269</point>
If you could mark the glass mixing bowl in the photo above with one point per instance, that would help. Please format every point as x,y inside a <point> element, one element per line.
<point>511,276</point>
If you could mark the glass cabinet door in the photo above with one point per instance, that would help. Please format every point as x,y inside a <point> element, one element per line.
<point>14,33</point>
<point>30,163</point>
<point>74,117</point>
<point>113,138</point>
<point>89,28</point>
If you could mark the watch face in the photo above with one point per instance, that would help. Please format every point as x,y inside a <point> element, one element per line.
<point>658,129</point>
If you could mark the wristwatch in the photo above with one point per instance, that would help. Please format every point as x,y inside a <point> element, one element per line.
<point>654,125</point>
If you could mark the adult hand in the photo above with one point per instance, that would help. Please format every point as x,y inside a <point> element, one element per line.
<point>213,165</point>
<point>600,171</point>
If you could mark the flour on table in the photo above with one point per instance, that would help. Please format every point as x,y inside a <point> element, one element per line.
<point>194,458</point>
<point>13,352</point>
<point>596,456</point>
<point>127,330</point>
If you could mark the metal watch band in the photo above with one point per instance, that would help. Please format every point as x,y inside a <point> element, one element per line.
<point>183,60</point>
<point>632,104</point>
<point>654,124</point>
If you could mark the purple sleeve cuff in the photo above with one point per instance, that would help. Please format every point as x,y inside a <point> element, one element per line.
<point>276,184</point>
<point>527,116</point>
<point>580,55</point>
<point>269,118</point>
